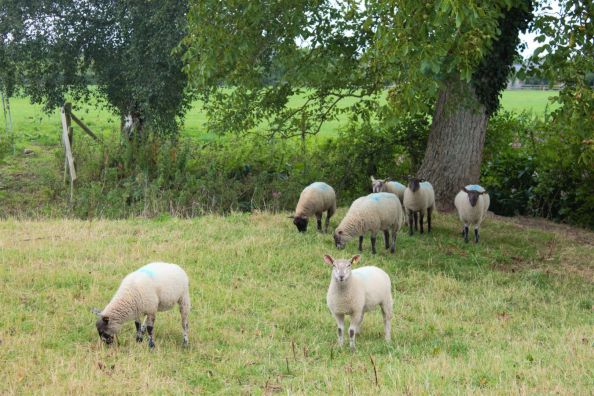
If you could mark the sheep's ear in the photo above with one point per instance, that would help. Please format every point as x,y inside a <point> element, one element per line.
<point>483,192</point>
<point>105,319</point>
<point>465,190</point>
<point>96,311</point>
<point>355,259</point>
<point>328,259</point>
<point>372,179</point>
<point>290,217</point>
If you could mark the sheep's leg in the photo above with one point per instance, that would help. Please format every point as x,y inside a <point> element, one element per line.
<point>373,239</point>
<point>387,314</point>
<point>411,219</point>
<point>421,222</point>
<point>139,332</point>
<point>327,222</point>
<point>476,233</point>
<point>319,219</point>
<point>387,238</point>
<point>429,211</point>
<point>416,216</point>
<point>150,322</point>
<point>465,233</point>
<point>184,310</point>
<point>360,243</point>
<point>356,319</point>
<point>393,249</point>
<point>340,324</point>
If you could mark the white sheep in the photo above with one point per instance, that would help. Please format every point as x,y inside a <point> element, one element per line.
<point>374,212</point>
<point>419,197</point>
<point>472,203</point>
<point>387,185</point>
<point>152,288</point>
<point>315,199</point>
<point>356,292</point>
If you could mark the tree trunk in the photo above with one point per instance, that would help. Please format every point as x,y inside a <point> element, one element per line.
<point>455,144</point>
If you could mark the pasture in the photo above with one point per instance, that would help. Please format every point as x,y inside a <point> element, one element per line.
<point>33,126</point>
<point>513,314</point>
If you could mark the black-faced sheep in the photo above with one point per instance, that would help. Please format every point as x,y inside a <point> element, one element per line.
<point>419,197</point>
<point>354,292</point>
<point>372,213</point>
<point>472,203</point>
<point>152,288</point>
<point>315,199</point>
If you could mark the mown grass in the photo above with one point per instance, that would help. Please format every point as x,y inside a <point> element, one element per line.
<point>511,315</point>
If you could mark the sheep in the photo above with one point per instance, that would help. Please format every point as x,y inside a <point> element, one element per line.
<point>374,212</point>
<point>356,292</point>
<point>315,199</point>
<point>419,197</point>
<point>154,287</point>
<point>472,203</point>
<point>387,185</point>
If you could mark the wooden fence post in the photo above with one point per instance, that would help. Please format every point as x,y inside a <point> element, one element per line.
<point>67,140</point>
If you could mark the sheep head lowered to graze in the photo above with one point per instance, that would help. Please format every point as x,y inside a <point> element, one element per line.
<point>314,200</point>
<point>152,288</point>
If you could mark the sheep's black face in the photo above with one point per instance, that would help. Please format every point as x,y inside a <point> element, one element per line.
<point>104,331</point>
<point>414,184</point>
<point>300,223</point>
<point>473,197</point>
<point>339,240</point>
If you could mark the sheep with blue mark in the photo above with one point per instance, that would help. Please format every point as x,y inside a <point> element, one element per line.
<point>387,185</point>
<point>472,203</point>
<point>315,199</point>
<point>372,213</point>
<point>354,292</point>
<point>150,289</point>
<point>419,197</point>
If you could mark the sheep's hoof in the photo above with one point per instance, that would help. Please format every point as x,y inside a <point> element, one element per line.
<point>151,344</point>
<point>353,349</point>
<point>185,344</point>
<point>138,339</point>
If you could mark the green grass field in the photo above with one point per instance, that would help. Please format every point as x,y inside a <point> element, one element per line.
<point>511,315</point>
<point>33,126</point>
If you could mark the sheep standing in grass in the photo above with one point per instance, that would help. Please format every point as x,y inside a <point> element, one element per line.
<point>387,185</point>
<point>315,199</point>
<point>419,197</point>
<point>374,212</point>
<point>472,203</point>
<point>354,292</point>
<point>152,288</point>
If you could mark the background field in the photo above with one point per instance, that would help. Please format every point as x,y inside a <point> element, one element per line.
<point>33,126</point>
<point>511,315</point>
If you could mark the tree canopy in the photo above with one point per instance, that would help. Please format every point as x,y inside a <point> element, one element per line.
<point>120,50</point>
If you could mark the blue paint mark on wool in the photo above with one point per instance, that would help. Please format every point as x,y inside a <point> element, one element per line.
<point>376,197</point>
<point>320,186</point>
<point>362,272</point>
<point>474,187</point>
<point>426,184</point>
<point>147,270</point>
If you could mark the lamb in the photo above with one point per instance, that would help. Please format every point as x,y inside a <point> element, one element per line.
<point>154,287</point>
<point>419,197</point>
<point>356,292</point>
<point>374,212</point>
<point>315,199</point>
<point>472,203</point>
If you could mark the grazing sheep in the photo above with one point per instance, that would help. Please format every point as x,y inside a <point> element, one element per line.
<point>154,287</point>
<point>356,292</point>
<point>472,203</point>
<point>419,198</point>
<point>315,199</point>
<point>374,212</point>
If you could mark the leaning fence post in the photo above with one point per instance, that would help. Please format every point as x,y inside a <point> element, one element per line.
<point>66,140</point>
